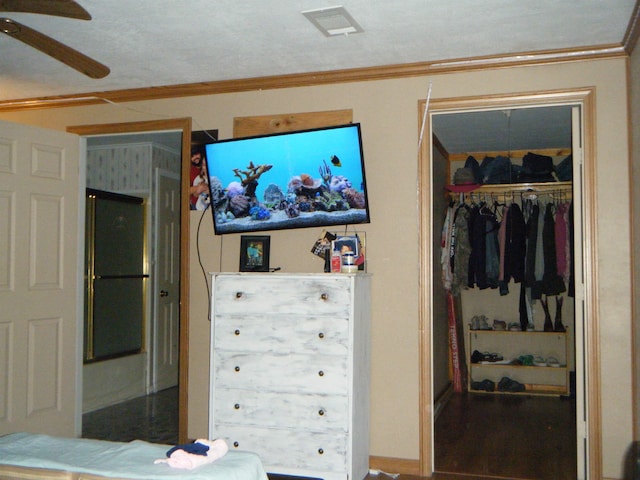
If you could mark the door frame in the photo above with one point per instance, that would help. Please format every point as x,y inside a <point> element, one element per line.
<point>588,427</point>
<point>184,125</point>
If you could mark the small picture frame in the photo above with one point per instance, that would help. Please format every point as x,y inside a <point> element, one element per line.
<point>254,253</point>
<point>347,244</point>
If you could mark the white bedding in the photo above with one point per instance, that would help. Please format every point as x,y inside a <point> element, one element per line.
<point>133,460</point>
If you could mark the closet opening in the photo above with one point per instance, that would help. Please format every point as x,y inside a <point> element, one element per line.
<point>504,348</point>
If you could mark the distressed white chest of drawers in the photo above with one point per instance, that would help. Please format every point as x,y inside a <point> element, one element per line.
<point>290,370</point>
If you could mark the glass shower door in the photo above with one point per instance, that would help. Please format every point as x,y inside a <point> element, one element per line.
<point>116,278</point>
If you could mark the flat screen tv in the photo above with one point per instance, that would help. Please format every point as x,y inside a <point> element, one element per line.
<point>306,178</point>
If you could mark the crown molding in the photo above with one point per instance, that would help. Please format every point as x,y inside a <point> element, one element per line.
<point>319,78</point>
<point>633,30</point>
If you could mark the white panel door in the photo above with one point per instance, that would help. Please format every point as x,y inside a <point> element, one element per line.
<point>167,280</point>
<point>39,258</point>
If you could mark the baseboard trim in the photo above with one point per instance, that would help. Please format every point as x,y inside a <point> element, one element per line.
<point>441,401</point>
<point>395,465</point>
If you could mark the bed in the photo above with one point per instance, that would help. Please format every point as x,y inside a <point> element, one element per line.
<point>27,456</point>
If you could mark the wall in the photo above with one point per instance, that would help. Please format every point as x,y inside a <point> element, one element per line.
<point>388,111</point>
<point>634,80</point>
<point>113,381</point>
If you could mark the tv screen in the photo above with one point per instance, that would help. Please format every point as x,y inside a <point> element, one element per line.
<point>307,178</point>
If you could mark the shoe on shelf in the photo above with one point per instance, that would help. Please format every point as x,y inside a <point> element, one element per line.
<point>485,385</point>
<point>553,362</point>
<point>500,325</point>
<point>538,361</point>
<point>485,357</point>
<point>479,322</point>
<point>526,360</point>
<point>515,327</point>
<point>492,357</point>
<point>506,384</point>
<point>476,357</point>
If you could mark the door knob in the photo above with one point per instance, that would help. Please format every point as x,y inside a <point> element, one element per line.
<point>164,293</point>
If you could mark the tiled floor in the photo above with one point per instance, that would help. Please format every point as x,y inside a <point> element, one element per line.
<point>153,418</point>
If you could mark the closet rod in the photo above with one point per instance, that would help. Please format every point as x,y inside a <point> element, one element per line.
<point>548,188</point>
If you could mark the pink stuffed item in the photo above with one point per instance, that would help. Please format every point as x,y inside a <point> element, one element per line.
<point>181,459</point>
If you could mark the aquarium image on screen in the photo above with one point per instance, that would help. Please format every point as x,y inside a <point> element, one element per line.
<point>308,178</point>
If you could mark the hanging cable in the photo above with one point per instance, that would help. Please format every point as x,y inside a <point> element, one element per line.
<point>424,116</point>
<point>204,272</point>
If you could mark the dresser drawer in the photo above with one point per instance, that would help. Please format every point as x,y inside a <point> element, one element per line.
<point>282,334</point>
<point>312,295</point>
<point>289,448</point>
<point>281,373</point>
<point>318,413</point>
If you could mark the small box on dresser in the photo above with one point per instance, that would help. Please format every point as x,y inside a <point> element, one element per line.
<point>290,370</point>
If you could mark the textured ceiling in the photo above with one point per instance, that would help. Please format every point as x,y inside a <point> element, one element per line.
<point>165,42</point>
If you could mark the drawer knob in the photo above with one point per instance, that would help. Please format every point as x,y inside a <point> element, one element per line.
<point>321,412</point>
<point>237,369</point>
<point>236,444</point>
<point>238,294</point>
<point>237,406</point>
<point>320,451</point>
<point>324,296</point>
<point>321,373</point>
<point>321,335</point>
<point>237,332</point>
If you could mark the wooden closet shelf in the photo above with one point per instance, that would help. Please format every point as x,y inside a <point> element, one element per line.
<point>550,152</point>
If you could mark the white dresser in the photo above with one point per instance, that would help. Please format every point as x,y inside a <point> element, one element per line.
<point>290,370</point>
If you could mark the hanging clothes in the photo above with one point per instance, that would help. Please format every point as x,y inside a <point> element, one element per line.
<point>552,283</point>
<point>531,244</point>
<point>484,257</point>
<point>445,248</point>
<point>492,248</point>
<point>503,282</point>
<point>515,245</point>
<point>533,211</point>
<point>563,248</point>
<point>536,289</point>
<point>462,248</point>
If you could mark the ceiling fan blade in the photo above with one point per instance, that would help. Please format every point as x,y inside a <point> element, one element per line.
<point>59,8</point>
<point>53,48</point>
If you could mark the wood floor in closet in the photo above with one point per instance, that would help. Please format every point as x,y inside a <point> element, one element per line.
<point>507,436</point>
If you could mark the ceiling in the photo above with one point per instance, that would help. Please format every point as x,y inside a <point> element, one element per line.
<point>149,43</point>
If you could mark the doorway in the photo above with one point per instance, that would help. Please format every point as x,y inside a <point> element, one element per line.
<point>174,331</point>
<point>436,380</point>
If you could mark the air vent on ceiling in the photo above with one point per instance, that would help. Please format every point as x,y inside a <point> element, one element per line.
<point>333,21</point>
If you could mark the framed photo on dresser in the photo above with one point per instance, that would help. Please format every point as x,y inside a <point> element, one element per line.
<point>254,253</point>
